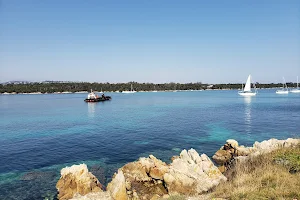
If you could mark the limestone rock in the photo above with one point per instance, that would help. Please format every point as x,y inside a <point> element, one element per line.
<point>192,174</point>
<point>244,151</point>
<point>76,179</point>
<point>93,196</point>
<point>273,144</point>
<point>222,156</point>
<point>142,179</point>
<point>117,187</point>
<point>137,171</point>
<point>232,142</point>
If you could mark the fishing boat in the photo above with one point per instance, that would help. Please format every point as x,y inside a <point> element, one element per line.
<point>284,89</point>
<point>247,89</point>
<point>297,90</point>
<point>92,97</point>
<point>129,92</point>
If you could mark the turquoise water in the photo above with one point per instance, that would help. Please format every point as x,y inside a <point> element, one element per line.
<point>40,134</point>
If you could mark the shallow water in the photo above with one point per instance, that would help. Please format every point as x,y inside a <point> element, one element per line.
<point>44,133</point>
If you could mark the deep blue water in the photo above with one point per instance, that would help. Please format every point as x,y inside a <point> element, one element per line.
<point>40,134</point>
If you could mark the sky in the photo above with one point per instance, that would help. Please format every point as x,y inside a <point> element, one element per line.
<point>150,41</point>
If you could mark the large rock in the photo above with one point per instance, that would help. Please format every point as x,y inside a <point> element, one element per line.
<point>76,179</point>
<point>222,156</point>
<point>143,178</point>
<point>117,186</point>
<point>192,174</point>
<point>273,144</point>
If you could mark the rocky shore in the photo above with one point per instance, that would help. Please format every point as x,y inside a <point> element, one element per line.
<point>189,174</point>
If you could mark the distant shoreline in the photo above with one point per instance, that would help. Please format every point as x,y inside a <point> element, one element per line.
<point>85,92</point>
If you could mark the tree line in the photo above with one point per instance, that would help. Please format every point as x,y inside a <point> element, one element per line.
<point>86,86</point>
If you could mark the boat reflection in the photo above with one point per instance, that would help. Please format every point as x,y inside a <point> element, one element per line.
<point>91,109</point>
<point>247,102</point>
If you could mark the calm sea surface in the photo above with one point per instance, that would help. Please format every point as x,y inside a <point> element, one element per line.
<point>40,134</point>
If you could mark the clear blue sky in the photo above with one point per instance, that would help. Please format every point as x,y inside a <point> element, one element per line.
<point>150,41</point>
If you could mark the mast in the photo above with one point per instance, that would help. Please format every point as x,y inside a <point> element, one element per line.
<point>284,83</point>
<point>297,82</point>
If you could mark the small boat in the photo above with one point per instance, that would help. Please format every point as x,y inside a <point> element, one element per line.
<point>247,89</point>
<point>297,90</point>
<point>129,92</point>
<point>92,97</point>
<point>284,89</point>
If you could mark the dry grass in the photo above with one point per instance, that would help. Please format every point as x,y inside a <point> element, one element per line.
<point>262,178</point>
<point>177,197</point>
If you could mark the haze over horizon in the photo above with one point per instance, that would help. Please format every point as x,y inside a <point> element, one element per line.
<point>150,41</point>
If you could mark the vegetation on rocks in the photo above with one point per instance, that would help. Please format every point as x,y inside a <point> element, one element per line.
<point>263,177</point>
<point>290,158</point>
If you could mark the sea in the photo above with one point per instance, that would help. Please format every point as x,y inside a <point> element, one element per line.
<point>41,134</point>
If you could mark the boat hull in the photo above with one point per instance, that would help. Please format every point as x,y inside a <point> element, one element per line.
<point>107,98</point>
<point>295,91</point>
<point>282,92</point>
<point>128,92</point>
<point>247,94</point>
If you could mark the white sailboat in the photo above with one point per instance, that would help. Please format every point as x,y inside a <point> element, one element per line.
<point>129,92</point>
<point>284,89</point>
<point>247,89</point>
<point>297,90</point>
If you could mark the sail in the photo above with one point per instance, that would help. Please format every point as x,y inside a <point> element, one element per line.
<point>248,84</point>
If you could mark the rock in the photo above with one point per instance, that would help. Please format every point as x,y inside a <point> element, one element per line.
<point>158,172</point>
<point>231,151</point>
<point>192,174</point>
<point>117,187</point>
<point>136,171</point>
<point>144,177</point>
<point>222,168</point>
<point>222,156</point>
<point>76,179</point>
<point>93,196</point>
<point>244,151</point>
<point>155,197</point>
<point>135,196</point>
<point>128,185</point>
<point>232,143</point>
<point>273,144</point>
<point>290,142</point>
<point>174,157</point>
